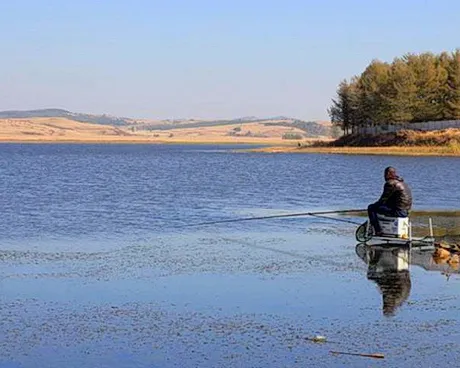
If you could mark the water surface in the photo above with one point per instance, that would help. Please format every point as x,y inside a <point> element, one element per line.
<point>97,268</point>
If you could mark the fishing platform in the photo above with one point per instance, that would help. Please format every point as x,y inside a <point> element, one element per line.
<point>395,231</point>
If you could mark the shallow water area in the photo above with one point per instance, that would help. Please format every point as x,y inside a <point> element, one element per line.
<point>154,293</point>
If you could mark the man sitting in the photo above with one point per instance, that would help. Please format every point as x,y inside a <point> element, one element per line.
<point>395,201</point>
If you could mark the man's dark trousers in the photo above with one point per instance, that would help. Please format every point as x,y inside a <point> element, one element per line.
<point>381,209</point>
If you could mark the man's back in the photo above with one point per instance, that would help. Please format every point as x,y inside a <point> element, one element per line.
<point>397,194</point>
<point>395,201</point>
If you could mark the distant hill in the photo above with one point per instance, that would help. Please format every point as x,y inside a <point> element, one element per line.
<point>60,113</point>
<point>58,129</point>
<point>310,128</point>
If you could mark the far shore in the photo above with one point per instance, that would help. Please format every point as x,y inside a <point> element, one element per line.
<point>270,145</point>
<point>269,137</point>
<point>64,130</point>
<point>144,140</point>
<point>390,150</point>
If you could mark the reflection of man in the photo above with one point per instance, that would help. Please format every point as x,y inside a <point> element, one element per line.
<point>395,288</point>
<point>389,269</point>
<point>395,201</point>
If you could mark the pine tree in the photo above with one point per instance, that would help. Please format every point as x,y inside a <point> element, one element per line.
<point>414,88</point>
<point>401,92</point>
<point>452,106</point>
<point>373,85</point>
<point>343,109</point>
<point>429,79</point>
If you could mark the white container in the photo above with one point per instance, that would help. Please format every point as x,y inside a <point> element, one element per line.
<point>394,226</point>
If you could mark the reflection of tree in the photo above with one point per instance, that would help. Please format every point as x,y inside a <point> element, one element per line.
<point>389,269</point>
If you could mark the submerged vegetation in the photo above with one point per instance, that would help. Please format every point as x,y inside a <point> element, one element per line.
<point>413,88</point>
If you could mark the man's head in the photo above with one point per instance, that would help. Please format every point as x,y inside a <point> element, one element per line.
<point>390,173</point>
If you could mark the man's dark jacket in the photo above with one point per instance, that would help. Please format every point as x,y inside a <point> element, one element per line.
<point>396,194</point>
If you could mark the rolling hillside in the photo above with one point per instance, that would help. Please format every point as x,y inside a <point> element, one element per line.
<point>58,124</point>
<point>57,129</point>
<point>60,113</point>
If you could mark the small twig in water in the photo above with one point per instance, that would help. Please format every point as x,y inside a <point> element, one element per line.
<point>376,356</point>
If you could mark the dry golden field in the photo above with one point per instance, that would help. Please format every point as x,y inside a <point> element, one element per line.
<point>66,130</point>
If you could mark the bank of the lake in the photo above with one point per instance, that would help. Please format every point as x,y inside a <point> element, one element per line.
<point>401,143</point>
<point>393,150</point>
<point>147,140</point>
<point>258,145</point>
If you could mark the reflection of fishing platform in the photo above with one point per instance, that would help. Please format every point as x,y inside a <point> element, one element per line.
<point>395,231</point>
<point>388,267</point>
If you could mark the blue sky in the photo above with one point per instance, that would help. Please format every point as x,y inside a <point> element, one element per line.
<point>205,59</point>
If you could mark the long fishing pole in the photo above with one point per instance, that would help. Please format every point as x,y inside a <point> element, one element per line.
<point>315,214</point>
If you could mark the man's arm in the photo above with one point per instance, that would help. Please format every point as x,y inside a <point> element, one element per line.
<point>388,190</point>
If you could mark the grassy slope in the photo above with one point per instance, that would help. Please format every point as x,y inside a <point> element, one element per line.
<point>59,129</point>
<point>56,129</point>
<point>405,138</point>
<point>435,143</point>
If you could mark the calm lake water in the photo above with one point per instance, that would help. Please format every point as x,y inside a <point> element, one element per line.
<point>97,267</point>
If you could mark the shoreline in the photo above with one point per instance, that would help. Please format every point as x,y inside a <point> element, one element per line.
<point>271,146</point>
<point>140,141</point>
<point>444,151</point>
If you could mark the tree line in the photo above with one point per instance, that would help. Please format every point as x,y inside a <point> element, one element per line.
<point>413,88</point>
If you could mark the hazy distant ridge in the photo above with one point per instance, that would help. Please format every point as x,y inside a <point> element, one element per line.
<point>310,127</point>
<point>61,113</point>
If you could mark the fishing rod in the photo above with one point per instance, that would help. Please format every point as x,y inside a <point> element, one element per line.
<point>314,214</point>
